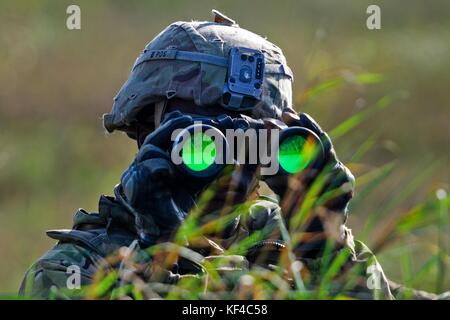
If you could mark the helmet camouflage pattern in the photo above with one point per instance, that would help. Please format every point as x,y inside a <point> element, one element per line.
<point>188,60</point>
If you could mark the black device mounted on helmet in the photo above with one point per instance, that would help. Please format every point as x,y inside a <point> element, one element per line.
<point>245,76</point>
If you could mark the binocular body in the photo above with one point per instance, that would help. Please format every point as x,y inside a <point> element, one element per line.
<point>202,150</point>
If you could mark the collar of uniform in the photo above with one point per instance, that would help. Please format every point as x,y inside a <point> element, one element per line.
<point>110,214</point>
<point>115,214</point>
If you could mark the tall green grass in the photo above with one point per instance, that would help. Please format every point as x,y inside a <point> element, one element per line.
<point>393,225</point>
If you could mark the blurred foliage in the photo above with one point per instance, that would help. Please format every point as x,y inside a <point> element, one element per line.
<point>384,92</point>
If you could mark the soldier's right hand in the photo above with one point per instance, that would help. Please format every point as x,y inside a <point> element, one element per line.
<point>150,187</point>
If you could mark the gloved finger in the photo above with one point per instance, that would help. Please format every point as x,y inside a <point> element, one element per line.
<point>161,212</point>
<point>150,151</point>
<point>305,120</point>
<point>166,212</point>
<point>161,137</point>
<point>147,230</point>
<point>159,169</point>
<point>142,180</point>
<point>147,187</point>
<point>339,188</point>
<point>171,115</point>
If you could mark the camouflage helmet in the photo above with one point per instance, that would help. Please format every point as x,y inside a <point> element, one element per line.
<point>188,60</point>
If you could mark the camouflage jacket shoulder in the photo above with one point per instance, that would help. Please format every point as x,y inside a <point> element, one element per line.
<point>85,247</point>
<point>89,246</point>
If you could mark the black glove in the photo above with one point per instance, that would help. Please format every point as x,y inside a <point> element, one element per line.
<point>150,185</point>
<point>160,197</point>
<point>338,175</point>
<point>334,190</point>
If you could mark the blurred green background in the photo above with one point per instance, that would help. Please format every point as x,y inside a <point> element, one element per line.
<point>55,84</point>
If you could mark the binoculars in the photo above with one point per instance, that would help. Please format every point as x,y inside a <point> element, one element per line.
<point>202,150</point>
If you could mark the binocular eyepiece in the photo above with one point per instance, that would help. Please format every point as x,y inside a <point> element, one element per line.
<point>203,149</point>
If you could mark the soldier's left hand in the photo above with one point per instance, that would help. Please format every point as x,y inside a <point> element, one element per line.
<point>338,181</point>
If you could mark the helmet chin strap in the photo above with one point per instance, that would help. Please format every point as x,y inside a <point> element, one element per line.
<point>160,107</point>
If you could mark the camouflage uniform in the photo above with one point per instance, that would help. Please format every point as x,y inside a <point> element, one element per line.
<point>97,236</point>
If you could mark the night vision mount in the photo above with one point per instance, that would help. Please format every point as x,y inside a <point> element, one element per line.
<point>244,80</point>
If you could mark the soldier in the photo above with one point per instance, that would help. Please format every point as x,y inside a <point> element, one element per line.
<point>183,74</point>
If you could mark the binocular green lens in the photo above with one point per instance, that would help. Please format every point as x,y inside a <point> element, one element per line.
<point>204,149</point>
<point>295,154</point>
<point>199,152</point>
